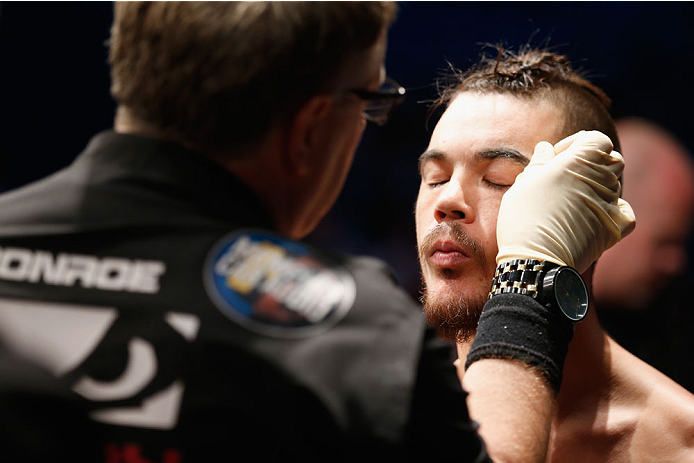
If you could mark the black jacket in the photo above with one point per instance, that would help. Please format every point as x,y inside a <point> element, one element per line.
<point>150,281</point>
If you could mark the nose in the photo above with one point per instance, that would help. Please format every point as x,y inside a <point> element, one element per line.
<point>453,204</point>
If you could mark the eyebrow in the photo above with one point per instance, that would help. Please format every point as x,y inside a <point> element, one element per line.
<point>507,153</point>
<point>429,155</point>
<point>490,154</point>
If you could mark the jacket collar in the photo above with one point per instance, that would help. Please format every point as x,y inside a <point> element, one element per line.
<point>167,168</point>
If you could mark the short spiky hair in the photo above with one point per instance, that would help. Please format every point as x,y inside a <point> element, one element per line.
<point>535,73</point>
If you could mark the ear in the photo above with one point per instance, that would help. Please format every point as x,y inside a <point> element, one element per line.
<point>307,131</point>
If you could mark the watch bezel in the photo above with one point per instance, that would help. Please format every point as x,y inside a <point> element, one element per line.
<point>549,292</point>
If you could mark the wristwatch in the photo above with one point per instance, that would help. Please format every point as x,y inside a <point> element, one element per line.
<point>552,285</point>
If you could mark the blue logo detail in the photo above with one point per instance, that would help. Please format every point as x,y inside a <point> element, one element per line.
<point>275,286</point>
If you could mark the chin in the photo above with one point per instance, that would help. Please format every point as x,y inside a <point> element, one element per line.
<point>453,308</point>
<point>452,284</point>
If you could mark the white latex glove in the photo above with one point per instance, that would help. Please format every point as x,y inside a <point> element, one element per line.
<point>565,206</point>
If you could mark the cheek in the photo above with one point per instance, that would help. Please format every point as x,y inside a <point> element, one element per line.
<point>422,216</point>
<point>355,138</point>
<point>343,163</point>
<point>487,214</point>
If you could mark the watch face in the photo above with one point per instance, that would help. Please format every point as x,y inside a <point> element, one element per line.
<point>571,293</point>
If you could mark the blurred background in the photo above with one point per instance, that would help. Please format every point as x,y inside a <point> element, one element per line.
<point>54,82</point>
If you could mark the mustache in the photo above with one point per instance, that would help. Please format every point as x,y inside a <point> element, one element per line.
<point>456,233</point>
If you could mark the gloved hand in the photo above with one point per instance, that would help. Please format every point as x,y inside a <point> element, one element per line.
<point>565,206</point>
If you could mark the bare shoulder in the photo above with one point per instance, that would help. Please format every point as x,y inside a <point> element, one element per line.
<point>636,414</point>
<point>665,427</point>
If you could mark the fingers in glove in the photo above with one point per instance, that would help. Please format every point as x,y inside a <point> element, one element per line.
<point>627,218</point>
<point>544,152</point>
<point>591,145</point>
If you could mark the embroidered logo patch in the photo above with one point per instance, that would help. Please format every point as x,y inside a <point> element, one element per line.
<point>275,286</point>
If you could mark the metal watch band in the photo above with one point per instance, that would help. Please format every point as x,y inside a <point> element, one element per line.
<point>520,276</point>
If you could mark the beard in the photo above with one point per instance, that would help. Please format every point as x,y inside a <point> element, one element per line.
<point>453,316</point>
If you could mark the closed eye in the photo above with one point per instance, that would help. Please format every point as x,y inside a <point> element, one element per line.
<point>436,184</point>
<point>496,186</point>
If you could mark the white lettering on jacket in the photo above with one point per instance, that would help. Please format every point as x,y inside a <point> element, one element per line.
<point>107,273</point>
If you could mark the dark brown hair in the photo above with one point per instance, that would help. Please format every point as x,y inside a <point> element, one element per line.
<point>535,73</point>
<point>215,75</point>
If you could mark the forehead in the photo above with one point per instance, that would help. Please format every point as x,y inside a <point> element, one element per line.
<point>476,122</point>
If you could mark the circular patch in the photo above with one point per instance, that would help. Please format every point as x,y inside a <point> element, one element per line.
<point>275,286</point>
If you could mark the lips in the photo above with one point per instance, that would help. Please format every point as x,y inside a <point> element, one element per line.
<point>447,254</point>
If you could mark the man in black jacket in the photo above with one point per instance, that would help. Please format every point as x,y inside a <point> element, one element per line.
<point>161,277</point>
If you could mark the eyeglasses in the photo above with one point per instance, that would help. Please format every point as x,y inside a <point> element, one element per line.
<point>382,102</point>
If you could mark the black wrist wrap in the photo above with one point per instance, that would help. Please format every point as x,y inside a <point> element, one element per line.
<point>517,327</point>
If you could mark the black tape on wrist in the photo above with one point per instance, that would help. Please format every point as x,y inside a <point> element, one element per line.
<point>517,327</point>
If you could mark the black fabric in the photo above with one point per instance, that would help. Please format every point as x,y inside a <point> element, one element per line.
<point>433,415</point>
<point>41,420</point>
<point>348,393</point>
<point>514,326</point>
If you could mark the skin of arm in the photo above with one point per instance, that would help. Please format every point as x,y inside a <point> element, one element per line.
<point>514,407</point>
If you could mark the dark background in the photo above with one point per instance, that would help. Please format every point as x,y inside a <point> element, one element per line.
<point>54,92</point>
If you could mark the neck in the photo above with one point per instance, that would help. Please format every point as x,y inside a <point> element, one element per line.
<point>126,122</point>
<point>587,368</point>
<point>263,175</point>
<point>263,172</point>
